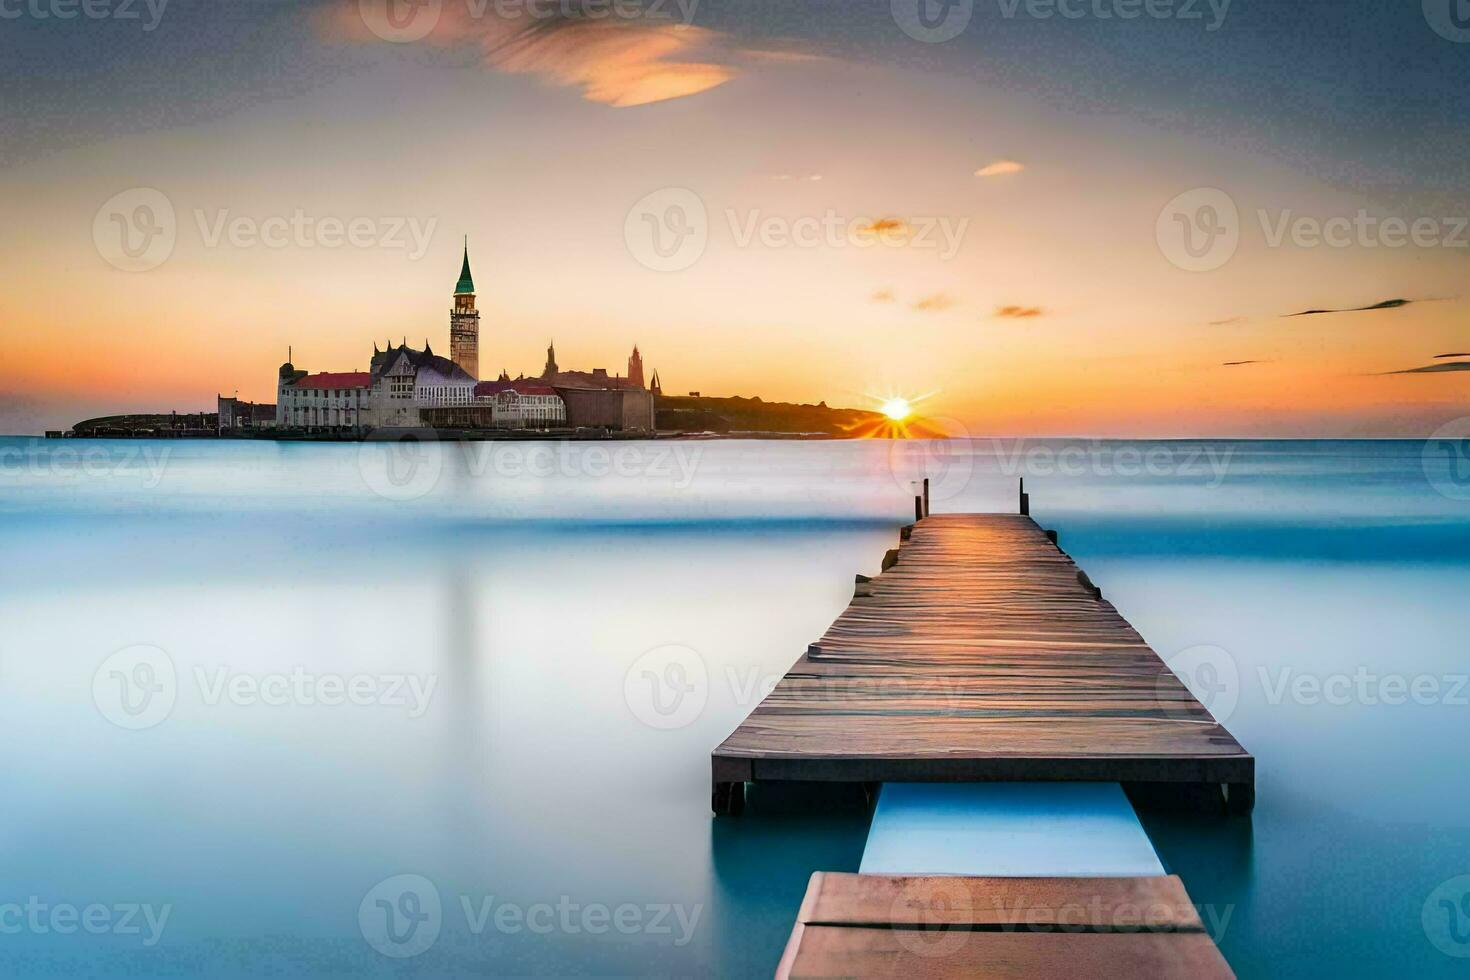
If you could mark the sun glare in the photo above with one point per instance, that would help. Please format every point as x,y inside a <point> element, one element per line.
<point>897,409</point>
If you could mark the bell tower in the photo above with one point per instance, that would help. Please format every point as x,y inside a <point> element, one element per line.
<point>464,321</point>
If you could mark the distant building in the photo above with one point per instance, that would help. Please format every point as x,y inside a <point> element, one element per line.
<point>339,402</point>
<point>408,388</point>
<point>464,322</point>
<point>234,415</point>
<point>635,368</point>
<point>405,380</point>
<point>553,375</point>
<point>523,405</point>
<point>615,409</point>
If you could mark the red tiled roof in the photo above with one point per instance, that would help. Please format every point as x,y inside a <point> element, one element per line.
<point>346,379</point>
<point>486,388</point>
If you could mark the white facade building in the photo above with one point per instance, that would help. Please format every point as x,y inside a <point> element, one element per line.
<point>522,404</point>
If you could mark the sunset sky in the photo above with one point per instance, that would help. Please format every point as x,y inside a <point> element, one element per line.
<point>1049,149</point>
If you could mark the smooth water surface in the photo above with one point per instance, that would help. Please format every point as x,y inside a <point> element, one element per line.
<point>247,686</point>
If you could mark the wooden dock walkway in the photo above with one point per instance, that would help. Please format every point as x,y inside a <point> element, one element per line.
<point>981,653</point>
<point>1013,928</point>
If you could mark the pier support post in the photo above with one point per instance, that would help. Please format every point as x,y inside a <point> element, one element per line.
<point>728,799</point>
<point>926,496</point>
<point>1240,799</point>
<point>918,509</point>
<point>1025,499</point>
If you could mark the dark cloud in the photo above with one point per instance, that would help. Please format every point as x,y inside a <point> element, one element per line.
<point>1388,304</point>
<point>1439,357</point>
<point>1445,368</point>
<point>1242,363</point>
<point>1018,312</point>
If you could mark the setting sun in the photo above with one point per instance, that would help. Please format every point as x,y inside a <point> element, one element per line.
<point>897,409</point>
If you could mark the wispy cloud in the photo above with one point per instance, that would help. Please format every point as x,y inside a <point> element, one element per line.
<point>1445,368</point>
<point>1439,357</point>
<point>1226,322</point>
<point>615,61</point>
<point>892,227</point>
<point>1000,168</point>
<point>1242,363</point>
<point>1017,312</point>
<point>1388,304</point>
<point>883,296</point>
<point>935,302</point>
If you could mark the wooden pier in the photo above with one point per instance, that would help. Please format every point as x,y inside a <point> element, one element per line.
<point>982,653</point>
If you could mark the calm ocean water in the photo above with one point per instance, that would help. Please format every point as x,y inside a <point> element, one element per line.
<point>243,685</point>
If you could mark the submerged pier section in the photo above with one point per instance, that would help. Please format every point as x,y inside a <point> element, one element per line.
<point>982,653</point>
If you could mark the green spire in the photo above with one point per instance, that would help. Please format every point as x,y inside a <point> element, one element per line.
<point>466,284</point>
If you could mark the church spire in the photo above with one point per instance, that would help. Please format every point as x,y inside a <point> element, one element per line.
<point>466,284</point>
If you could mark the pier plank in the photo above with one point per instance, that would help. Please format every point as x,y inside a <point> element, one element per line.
<point>854,925</point>
<point>981,653</point>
